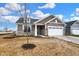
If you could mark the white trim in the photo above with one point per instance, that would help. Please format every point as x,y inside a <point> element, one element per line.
<point>23,27</point>
<point>39,24</point>
<point>19,23</point>
<point>53,19</point>
<point>40,20</point>
<point>35,30</point>
<point>61,28</point>
<point>50,20</point>
<point>19,32</point>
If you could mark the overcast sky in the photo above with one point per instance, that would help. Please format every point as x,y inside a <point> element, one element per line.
<point>9,13</point>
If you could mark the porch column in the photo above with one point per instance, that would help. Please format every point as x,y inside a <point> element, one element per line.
<point>23,27</point>
<point>35,30</point>
<point>45,30</point>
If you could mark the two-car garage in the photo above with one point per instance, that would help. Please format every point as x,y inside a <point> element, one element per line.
<point>55,30</point>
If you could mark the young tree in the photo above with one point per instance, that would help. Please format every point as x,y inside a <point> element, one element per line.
<point>22,10</point>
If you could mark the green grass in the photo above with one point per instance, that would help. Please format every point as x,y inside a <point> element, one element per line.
<point>75,35</point>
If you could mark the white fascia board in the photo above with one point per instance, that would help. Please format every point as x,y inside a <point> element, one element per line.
<point>53,19</point>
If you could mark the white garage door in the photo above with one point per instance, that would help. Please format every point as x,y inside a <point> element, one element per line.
<point>75,32</point>
<point>54,30</point>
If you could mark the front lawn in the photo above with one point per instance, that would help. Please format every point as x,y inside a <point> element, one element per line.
<point>43,47</point>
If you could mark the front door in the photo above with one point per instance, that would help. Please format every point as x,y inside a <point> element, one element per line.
<point>40,30</point>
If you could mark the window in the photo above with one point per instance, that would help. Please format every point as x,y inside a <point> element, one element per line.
<point>26,29</point>
<point>19,27</point>
<point>28,20</point>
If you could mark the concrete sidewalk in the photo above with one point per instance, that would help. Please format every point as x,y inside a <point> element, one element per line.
<point>69,38</point>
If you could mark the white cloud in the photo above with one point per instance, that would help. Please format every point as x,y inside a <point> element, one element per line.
<point>13,29</point>
<point>74,18</point>
<point>60,16</point>
<point>76,13</point>
<point>72,15</point>
<point>16,7</point>
<point>10,8</point>
<point>77,10</point>
<point>4,11</point>
<point>10,18</point>
<point>66,20</point>
<point>13,6</point>
<point>49,5</point>
<point>39,14</point>
<point>27,11</point>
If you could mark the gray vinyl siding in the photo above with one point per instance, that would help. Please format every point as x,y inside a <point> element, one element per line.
<point>52,24</point>
<point>75,26</point>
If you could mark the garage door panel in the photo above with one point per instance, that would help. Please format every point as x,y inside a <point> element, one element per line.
<point>55,31</point>
<point>75,32</point>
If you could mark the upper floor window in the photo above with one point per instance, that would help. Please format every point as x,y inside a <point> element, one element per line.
<point>28,20</point>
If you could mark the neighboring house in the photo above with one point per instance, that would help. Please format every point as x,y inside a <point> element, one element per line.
<point>48,26</point>
<point>72,28</point>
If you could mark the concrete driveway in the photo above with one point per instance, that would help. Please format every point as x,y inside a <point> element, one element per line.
<point>69,38</point>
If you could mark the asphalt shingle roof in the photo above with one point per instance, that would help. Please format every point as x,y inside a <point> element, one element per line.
<point>68,24</point>
<point>46,19</point>
<point>21,20</point>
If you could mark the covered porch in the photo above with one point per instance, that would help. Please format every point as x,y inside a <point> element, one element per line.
<point>39,30</point>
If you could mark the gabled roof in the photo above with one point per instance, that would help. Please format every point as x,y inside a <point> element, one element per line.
<point>21,20</point>
<point>47,19</point>
<point>44,20</point>
<point>68,24</point>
